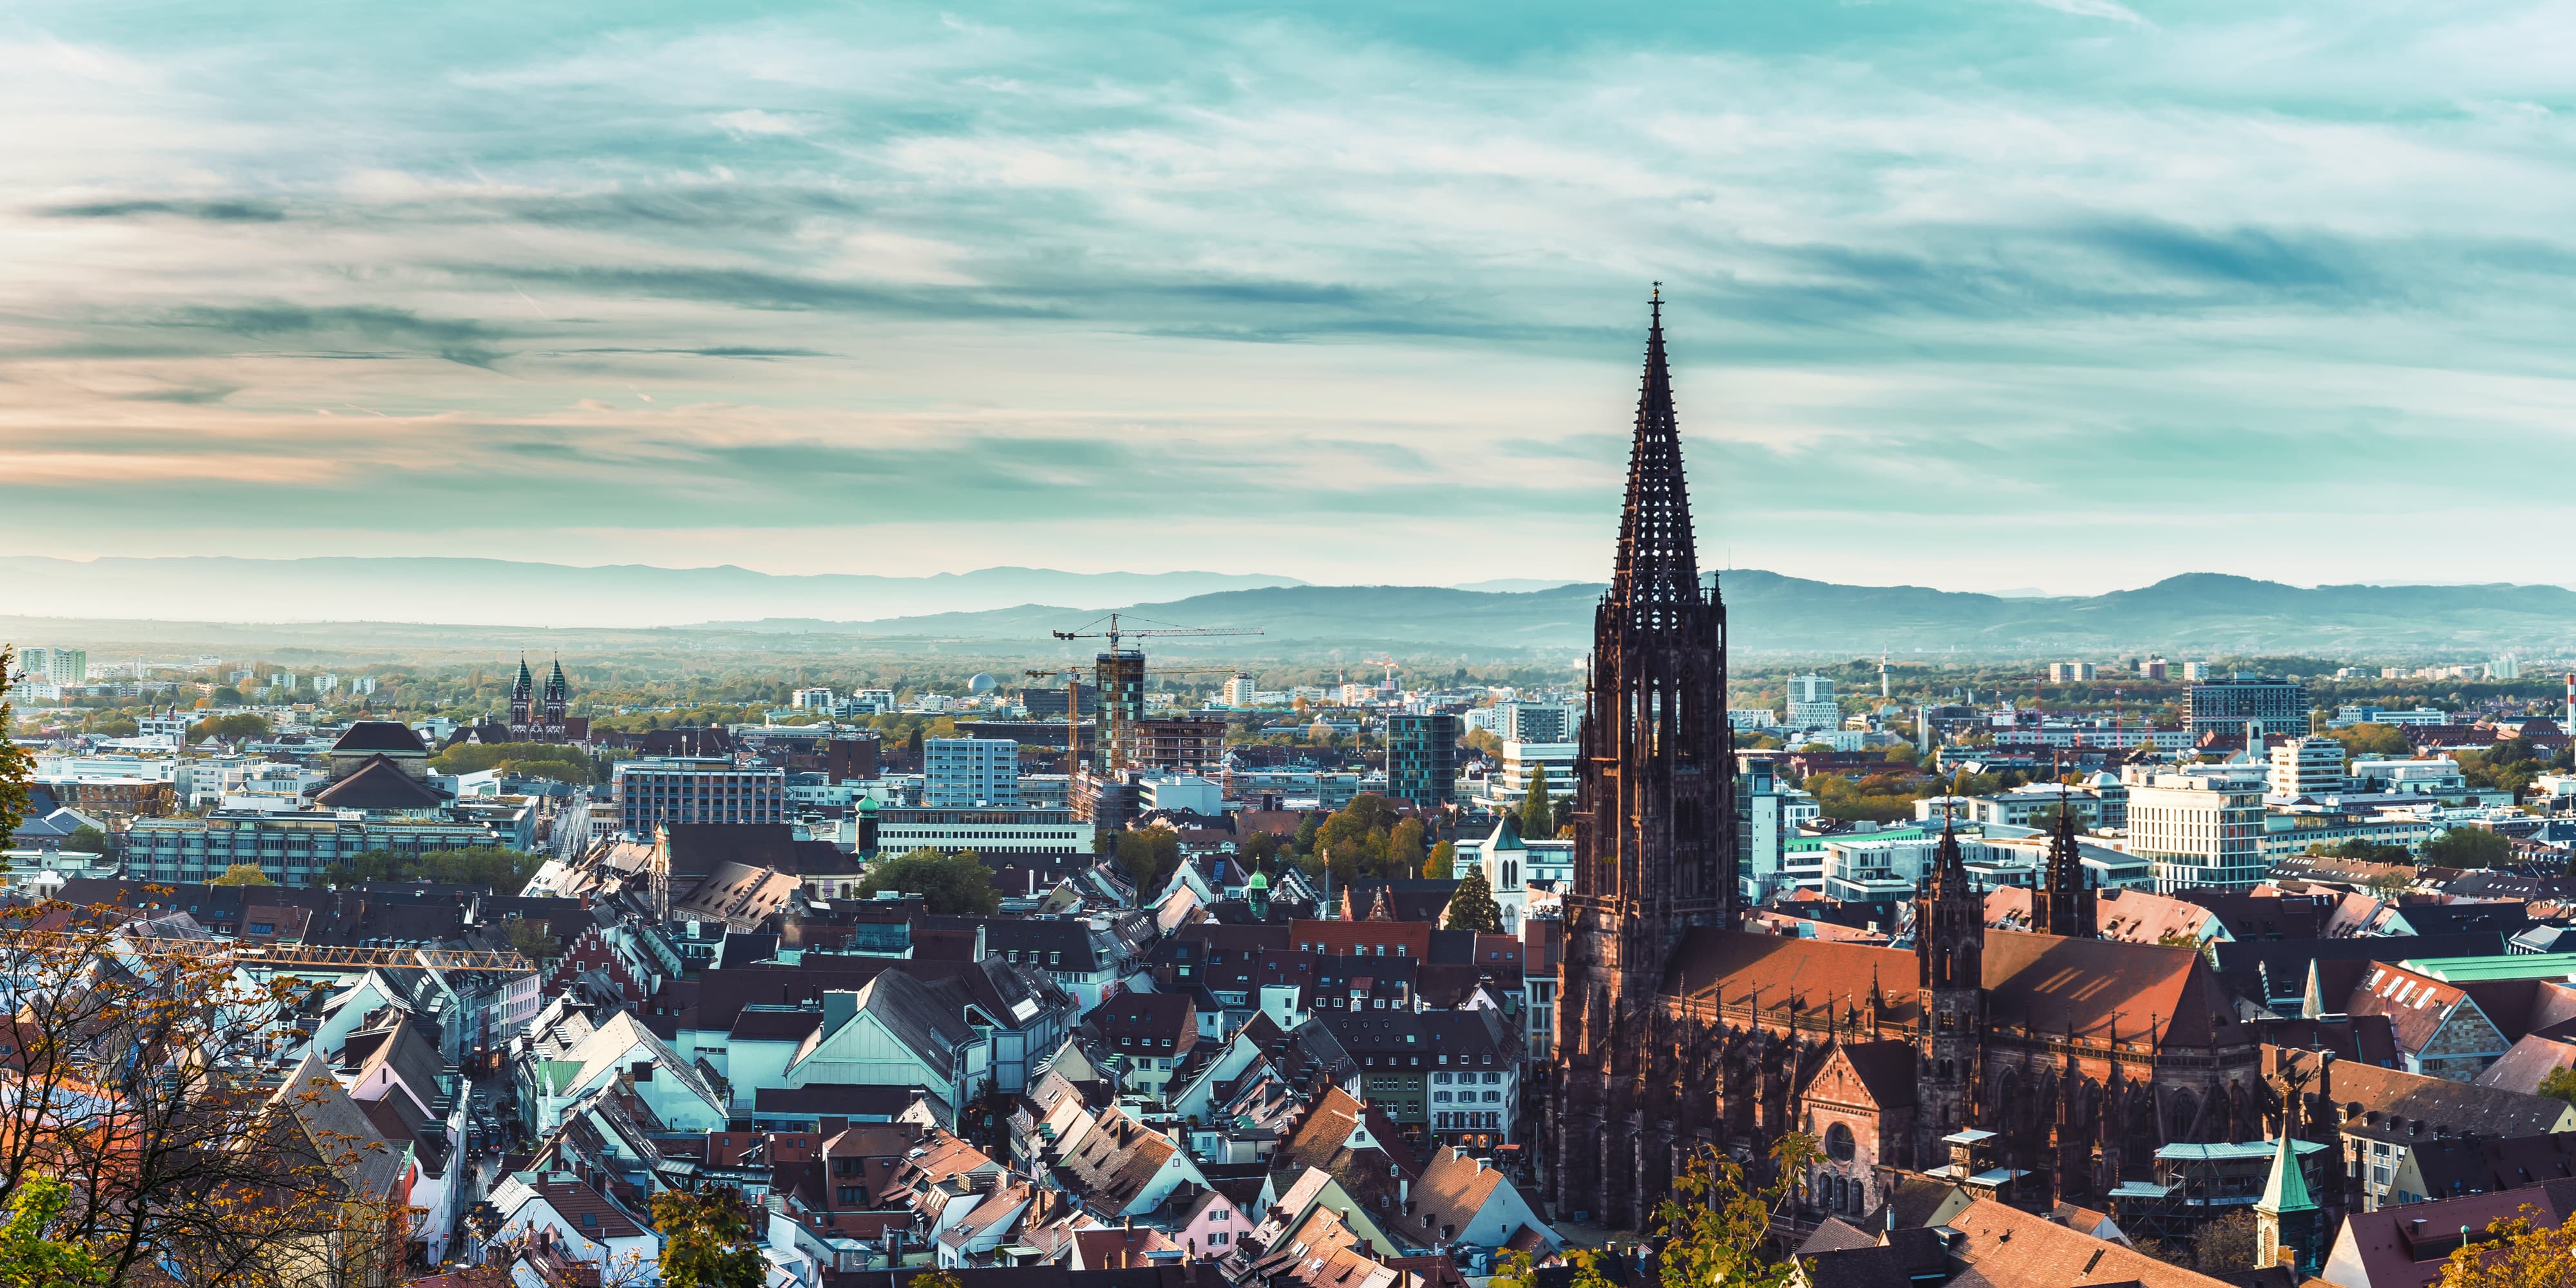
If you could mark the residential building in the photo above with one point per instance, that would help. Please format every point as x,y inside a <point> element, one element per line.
<point>2307,767</point>
<point>1422,759</point>
<point>696,789</point>
<point>2070,672</point>
<point>56,666</point>
<point>1238,690</point>
<point>2231,705</point>
<point>980,772</point>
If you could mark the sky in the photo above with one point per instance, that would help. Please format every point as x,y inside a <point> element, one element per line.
<point>1979,294</point>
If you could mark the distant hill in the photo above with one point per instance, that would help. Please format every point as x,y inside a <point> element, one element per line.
<point>1008,611</point>
<point>506,592</point>
<point>2193,613</point>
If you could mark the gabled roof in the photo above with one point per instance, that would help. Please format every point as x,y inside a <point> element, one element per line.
<point>912,1015</point>
<point>2407,1246</point>
<point>379,784</point>
<point>2390,1104</point>
<point>2008,1248</point>
<point>331,1130</point>
<point>1116,1159</point>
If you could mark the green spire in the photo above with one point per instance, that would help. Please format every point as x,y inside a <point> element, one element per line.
<point>2287,1191</point>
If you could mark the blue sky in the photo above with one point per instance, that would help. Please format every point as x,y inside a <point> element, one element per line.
<point>1979,294</point>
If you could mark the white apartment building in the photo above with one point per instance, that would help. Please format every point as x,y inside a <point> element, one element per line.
<point>2203,829</point>
<point>970,771</point>
<point>56,666</point>
<point>1752,718</point>
<point>1811,703</point>
<point>2307,767</point>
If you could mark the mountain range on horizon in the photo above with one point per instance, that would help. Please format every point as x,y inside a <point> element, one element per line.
<point>1009,609</point>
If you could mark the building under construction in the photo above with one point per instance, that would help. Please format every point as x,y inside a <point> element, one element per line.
<point>1125,745</point>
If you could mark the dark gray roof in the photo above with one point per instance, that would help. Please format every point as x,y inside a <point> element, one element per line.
<point>379,784</point>
<point>380,736</point>
<point>916,1017</point>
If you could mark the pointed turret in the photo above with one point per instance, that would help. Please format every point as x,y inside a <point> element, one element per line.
<point>558,695</point>
<point>2286,1218</point>
<point>1949,948</point>
<point>2063,904</point>
<point>523,700</point>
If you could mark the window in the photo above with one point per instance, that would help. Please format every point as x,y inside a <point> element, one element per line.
<point>1217,1238</point>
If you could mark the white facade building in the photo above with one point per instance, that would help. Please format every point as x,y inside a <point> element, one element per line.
<point>2307,767</point>
<point>1811,703</point>
<point>2203,829</point>
<point>970,771</point>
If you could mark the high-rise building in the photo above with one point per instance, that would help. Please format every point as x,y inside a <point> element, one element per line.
<point>2229,706</point>
<point>969,771</point>
<point>1422,758</point>
<point>2307,767</point>
<point>55,665</point>
<point>1654,816</point>
<point>1239,689</point>
<point>2197,829</point>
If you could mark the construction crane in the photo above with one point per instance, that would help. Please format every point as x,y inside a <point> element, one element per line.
<point>1121,676</point>
<point>275,956</point>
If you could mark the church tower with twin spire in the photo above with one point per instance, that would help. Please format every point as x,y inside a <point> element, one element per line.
<point>1653,812</point>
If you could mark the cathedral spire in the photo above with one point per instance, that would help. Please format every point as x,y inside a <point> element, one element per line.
<point>1658,564</point>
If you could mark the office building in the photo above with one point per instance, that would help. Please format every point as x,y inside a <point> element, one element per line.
<point>696,789</point>
<point>1812,705</point>
<point>970,771</point>
<point>2229,706</point>
<point>987,832</point>
<point>811,700</point>
<point>1178,744</point>
<point>1522,760</point>
<point>2202,829</point>
<point>1422,758</point>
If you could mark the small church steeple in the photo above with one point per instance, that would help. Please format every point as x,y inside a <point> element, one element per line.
<point>2286,1219</point>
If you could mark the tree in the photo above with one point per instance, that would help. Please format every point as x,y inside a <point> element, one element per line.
<point>29,1259</point>
<point>16,766</point>
<point>1538,809</point>
<point>2467,847</point>
<point>183,1169</point>
<point>949,884</point>
<point>1473,907</point>
<point>242,874</point>
<point>505,871</point>
<point>86,840</point>
<point>1404,849</point>
<point>2517,1254</point>
<point>534,760</point>
<point>2560,1084</point>
<point>707,1240</point>
<point>1713,1228</point>
<point>2225,1246</point>
<point>1149,855</point>
<point>1443,863</point>
<point>1357,841</point>
<point>232,728</point>
<point>2372,740</point>
<point>532,941</point>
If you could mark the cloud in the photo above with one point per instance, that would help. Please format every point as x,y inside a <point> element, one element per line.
<point>2095,9</point>
<point>1997,272</point>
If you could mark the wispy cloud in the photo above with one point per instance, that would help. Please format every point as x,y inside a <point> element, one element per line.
<point>1349,295</point>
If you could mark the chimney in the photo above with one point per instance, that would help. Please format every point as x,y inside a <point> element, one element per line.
<point>840,1006</point>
